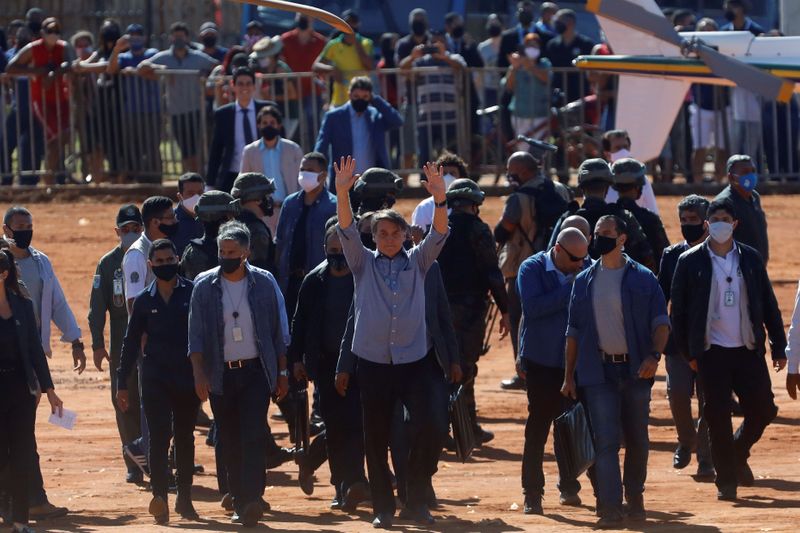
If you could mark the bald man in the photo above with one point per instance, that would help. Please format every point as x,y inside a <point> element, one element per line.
<point>544,284</point>
<point>579,223</point>
<point>529,216</point>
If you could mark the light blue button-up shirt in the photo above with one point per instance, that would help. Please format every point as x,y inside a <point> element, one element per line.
<point>272,168</point>
<point>362,142</point>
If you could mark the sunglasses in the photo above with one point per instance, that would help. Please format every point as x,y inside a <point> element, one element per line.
<point>572,258</point>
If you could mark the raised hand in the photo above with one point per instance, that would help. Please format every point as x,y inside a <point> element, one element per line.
<point>345,173</point>
<point>434,182</point>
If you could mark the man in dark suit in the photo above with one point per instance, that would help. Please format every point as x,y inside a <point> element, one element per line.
<point>358,128</point>
<point>235,127</point>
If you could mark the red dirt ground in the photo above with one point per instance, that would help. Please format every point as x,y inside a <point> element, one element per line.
<point>83,469</point>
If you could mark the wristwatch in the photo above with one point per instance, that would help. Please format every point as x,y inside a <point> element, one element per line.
<point>443,204</point>
<point>284,372</point>
<point>656,355</point>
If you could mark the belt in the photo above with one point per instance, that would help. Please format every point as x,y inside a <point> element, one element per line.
<point>240,363</point>
<point>614,357</point>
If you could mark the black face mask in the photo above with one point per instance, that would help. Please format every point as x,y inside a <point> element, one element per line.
<point>229,265</point>
<point>22,238</point>
<point>266,207</point>
<point>730,16</point>
<point>458,32</point>
<point>494,31</point>
<point>337,261</point>
<point>513,180</point>
<point>603,245</point>
<point>35,27</point>
<point>525,18</point>
<point>269,133</point>
<point>165,272</point>
<point>419,27</point>
<point>359,105</point>
<point>209,41</point>
<point>302,24</point>
<point>211,230</point>
<point>168,229</point>
<point>560,27</point>
<point>692,232</point>
<point>368,241</point>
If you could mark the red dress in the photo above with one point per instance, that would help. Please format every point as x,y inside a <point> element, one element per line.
<point>50,96</point>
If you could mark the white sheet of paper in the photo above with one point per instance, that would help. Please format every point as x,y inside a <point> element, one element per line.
<point>66,420</point>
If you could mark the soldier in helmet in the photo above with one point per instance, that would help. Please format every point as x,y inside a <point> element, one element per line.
<point>213,209</point>
<point>629,180</point>
<point>376,189</point>
<point>471,243</point>
<point>594,179</point>
<point>108,297</point>
<point>254,192</point>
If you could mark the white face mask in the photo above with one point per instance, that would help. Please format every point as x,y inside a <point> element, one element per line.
<point>721,232</point>
<point>308,180</point>
<point>620,154</point>
<point>531,52</point>
<point>448,179</point>
<point>190,203</point>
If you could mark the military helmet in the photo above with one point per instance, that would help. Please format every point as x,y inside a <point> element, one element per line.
<point>377,182</point>
<point>252,186</point>
<point>214,206</point>
<point>464,190</point>
<point>628,171</point>
<point>594,170</point>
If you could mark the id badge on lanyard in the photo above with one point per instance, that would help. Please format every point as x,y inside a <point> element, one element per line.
<point>729,298</point>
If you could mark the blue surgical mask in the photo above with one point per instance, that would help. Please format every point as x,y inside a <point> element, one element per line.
<point>748,182</point>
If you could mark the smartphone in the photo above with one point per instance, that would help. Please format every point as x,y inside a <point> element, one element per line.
<point>430,49</point>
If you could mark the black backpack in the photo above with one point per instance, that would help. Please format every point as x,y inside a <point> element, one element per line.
<point>549,208</point>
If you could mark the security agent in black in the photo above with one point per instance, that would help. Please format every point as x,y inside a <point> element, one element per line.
<point>254,193</point>
<point>213,209</point>
<point>594,179</point>
<point>629,179</point>
<point>161,313</point>
<point>471,243</point>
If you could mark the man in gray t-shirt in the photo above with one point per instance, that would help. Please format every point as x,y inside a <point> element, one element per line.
<point>607,306</point>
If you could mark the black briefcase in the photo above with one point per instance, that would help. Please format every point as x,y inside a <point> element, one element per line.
<point>300,428</point>
<point>462,425</point>
<point>574,445</point>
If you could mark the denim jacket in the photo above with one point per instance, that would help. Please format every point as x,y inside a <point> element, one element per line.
<point>206,334</point>
<point>643,309</point>
<point>314,239</point>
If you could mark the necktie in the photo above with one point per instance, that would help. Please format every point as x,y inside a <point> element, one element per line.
<point>248,130</point>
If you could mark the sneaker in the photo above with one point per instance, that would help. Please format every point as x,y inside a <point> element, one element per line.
<point>568,499</point>
<point>533,504</point>
<point>135,453</point>
<point>515,383</point>
<point>46,511</point>
<point>159,509</point>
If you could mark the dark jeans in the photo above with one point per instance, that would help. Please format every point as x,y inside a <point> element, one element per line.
<point>619,406</point>
<point>17,443</point>
<point>545,404</point>
<point>514,312</point>
<point>344,430</point>
<point>681,385</point>
<point>240,412</point>
<point>382,385</point>
<point>723,371</point>
<point>170,411</point>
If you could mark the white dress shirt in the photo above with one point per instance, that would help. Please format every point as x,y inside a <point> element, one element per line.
<point>793,349</point>
<point>725,318</point>
<point>238,133</point>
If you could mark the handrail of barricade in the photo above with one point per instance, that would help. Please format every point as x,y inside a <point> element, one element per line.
<point>127,127</point>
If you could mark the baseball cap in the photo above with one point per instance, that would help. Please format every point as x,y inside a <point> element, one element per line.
<point>128,213</point>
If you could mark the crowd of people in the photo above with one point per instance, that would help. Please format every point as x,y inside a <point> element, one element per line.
<point>115,102</point>
<point>279,268</point>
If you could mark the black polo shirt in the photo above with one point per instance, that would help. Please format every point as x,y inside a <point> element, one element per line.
<point>166,324</point>
<point>561,54</point>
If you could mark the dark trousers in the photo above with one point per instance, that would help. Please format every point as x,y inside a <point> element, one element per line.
<point>240,412</point>
<point>682,383</point>
<point>382,385</point>
<point>17,443</point>
<point>723,371</point>
<point>170,411</point>
<point>514,312</point>
<point>344,430</point>
<point>469,323</point>
<point>128,422</point>
<point>545,404</point>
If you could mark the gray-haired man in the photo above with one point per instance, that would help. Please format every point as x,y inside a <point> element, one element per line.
<point>238,351</point>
